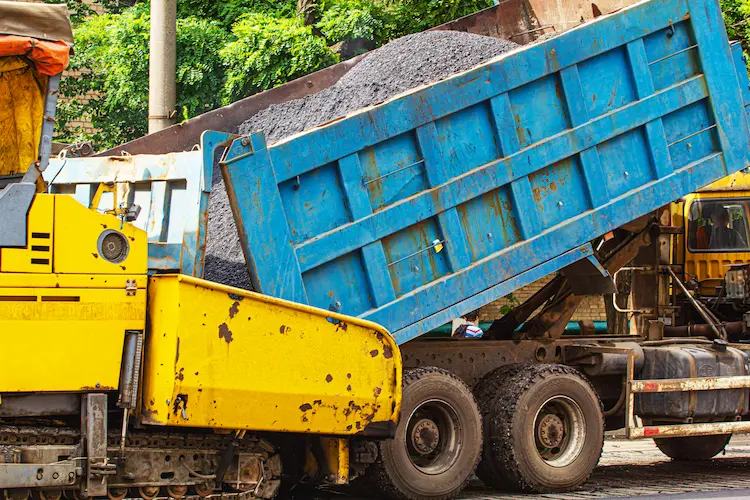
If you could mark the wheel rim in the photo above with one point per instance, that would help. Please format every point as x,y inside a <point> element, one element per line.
<point>559,431</point>
<point>433,437</point>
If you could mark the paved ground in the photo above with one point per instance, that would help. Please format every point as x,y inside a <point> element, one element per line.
<point>631,469</point>
<point>637,469</point>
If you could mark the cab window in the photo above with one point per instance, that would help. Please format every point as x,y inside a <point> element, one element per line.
<point>719,226</point>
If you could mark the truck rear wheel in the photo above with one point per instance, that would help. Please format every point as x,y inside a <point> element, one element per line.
<point>544,429</point>
<point>438,441</point>
<point>693,447</point>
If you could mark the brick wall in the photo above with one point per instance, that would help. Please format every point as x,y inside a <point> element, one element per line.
<point>592,307</point>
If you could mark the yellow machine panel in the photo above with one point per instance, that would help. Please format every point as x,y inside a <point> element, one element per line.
<point>221,357</point>
<point>65,339</point>
<point>84,238</point>
<point>63,321</point>
<point>37,256</point>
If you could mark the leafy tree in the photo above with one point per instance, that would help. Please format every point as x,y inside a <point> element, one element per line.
<point>229,11</point>
<point>737,20</point>
<point>267,51</point>
<point>418,15</point>
<point>112,55</point>
<point>346,19</point>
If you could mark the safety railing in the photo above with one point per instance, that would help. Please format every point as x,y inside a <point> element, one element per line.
<point>633,387</point>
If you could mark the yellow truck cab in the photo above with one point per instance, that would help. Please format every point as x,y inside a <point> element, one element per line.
<point>714,245</point>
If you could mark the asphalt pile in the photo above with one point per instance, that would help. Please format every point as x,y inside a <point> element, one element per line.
<point>394,68</point>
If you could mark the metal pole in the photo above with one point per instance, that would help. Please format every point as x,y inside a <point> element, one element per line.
<point>162,65</point>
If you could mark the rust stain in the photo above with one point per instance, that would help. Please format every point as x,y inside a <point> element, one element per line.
<point>374,353</point>
<point>283,329</point>
<point>537,193</point>
<point>387,352</point>
<point>349,388</point>
<point>180,376</point>
<point>329,378</point>
<point>234,309</point>
<point>376,392</point>
<point>225,333</point>
<point>305,407</point>
<point>341,326</point>
<point>87,388</point>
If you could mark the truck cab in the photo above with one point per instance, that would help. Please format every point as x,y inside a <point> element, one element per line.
<point>713,248</point>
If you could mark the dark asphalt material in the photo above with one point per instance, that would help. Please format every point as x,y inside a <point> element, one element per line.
<point>396,67</point>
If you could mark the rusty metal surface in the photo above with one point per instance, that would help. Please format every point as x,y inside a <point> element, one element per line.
<point>684,430</point>
<point>472,359</point>
<point>693,384</point>
<point>94,433</point>
<point>40,405</point>
<point>154,459</point>
<point>38,475</point>
<point>703,330</point>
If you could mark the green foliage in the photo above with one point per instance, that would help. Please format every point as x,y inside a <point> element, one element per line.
<point>268,51</point>
<point>347,19</point>
<point>80,10</point>
<point>736,17</point>
<point>512,303</point>
<point>228,11</point>
<point>418,15</point>
<point>112,53</point>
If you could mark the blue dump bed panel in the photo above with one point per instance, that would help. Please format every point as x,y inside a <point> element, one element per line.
<point>443,199</point>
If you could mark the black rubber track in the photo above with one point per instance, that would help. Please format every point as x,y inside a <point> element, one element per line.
<point>378,476</point>
<point>504,419</point>
<point>693,448</point>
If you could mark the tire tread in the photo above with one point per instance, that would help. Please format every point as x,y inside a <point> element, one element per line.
<point>377,473</point>
<point>502,451</point>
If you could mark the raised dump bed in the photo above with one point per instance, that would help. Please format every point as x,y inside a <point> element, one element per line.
<point>445,198</point>
<point>440,200</point>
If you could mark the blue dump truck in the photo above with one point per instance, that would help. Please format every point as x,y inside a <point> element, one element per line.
<point>562,156</point>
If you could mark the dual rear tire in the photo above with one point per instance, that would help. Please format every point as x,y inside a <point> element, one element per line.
<point>541,428</point>
<point>544,429</point>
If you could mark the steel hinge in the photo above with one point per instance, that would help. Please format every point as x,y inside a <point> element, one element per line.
<point>131,287</point>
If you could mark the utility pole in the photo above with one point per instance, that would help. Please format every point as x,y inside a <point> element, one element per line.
<point>162,92</point>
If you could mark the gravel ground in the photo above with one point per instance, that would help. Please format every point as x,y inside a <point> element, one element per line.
<point>401,65</point>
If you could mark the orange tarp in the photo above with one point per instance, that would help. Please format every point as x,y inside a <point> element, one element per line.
<point>49,58</point>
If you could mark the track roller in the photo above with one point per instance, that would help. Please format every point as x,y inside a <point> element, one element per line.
<point>16,494</point>
<point>148,492</point>
<point>117,493</point>
<point>177,491</point>
<point>203,490</point>
<point>50,494</point>
<point>438,441</point>
<point>544,429</point>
